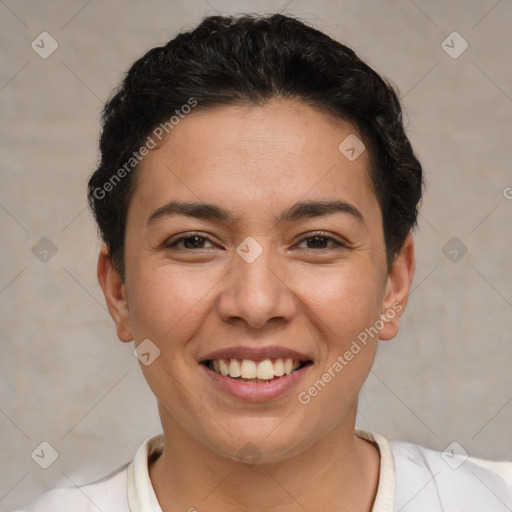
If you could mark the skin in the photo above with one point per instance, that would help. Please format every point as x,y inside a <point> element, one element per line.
<point>257,161</point>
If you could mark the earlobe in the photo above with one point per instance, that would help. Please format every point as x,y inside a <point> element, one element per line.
<point>115,295</point>
<point>398,286</point>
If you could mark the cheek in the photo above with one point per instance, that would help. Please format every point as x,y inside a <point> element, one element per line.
<point>166,303</point>
<point>342,301</point>
<point>171,303</point>
<point>342,306</point>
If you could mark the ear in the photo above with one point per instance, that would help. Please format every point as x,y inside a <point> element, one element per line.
<point>398,285</point>
<point>115,295</point>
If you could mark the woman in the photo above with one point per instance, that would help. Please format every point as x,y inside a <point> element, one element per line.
<point>256,196</point>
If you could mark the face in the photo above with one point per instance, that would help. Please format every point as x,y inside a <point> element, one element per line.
<point>256,276</point>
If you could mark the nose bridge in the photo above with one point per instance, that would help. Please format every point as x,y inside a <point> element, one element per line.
<point>255,291</point>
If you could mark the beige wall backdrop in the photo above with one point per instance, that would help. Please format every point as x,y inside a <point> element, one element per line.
<point>65,378</point>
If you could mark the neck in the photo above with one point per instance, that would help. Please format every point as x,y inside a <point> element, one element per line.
<point>338,473</point>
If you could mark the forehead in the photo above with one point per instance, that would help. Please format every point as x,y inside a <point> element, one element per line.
<point>253,158</point>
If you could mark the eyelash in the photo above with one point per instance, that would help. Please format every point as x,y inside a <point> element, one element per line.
<point>188,236</point>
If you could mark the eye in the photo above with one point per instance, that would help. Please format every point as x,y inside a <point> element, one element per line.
<point>319,241</point>
<point>190,241</point>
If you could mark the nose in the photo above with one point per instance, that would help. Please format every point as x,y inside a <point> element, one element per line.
<point>257,292</point>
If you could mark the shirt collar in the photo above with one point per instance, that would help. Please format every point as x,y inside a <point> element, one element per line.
<point>142,497</point>
<point>385,498</point>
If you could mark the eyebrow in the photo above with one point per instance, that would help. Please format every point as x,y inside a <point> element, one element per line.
<point>211,212</point>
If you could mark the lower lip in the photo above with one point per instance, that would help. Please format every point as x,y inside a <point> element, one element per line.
<point>257,391</point>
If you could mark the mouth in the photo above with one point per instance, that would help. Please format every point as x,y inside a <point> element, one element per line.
<point>256,371</point>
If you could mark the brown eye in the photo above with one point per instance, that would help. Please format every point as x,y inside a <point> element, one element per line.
<point>317,242</point>
<point>189,242</point>
<point>321,242</point>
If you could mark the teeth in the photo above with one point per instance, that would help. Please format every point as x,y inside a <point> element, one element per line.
<point>265,370</point>
<point>248,369</point>
<point>279,368</point>
<point>224,370</point>
<point>234,368</point>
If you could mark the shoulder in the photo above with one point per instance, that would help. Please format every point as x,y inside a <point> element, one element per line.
<point>128,485</point>
<point>448,480</point>
<point>107,494</point>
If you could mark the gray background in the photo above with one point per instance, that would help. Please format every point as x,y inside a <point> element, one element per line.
<point>65,378</point>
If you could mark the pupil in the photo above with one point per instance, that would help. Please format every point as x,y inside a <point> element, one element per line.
<point>320,241</point>
<point>196,241</point>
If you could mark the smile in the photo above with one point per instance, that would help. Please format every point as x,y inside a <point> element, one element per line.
<point>248,370</point>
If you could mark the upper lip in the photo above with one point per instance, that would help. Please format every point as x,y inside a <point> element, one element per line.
<point>256,353</point>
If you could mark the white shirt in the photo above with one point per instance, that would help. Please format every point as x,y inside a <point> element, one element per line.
<point>412,479</point>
